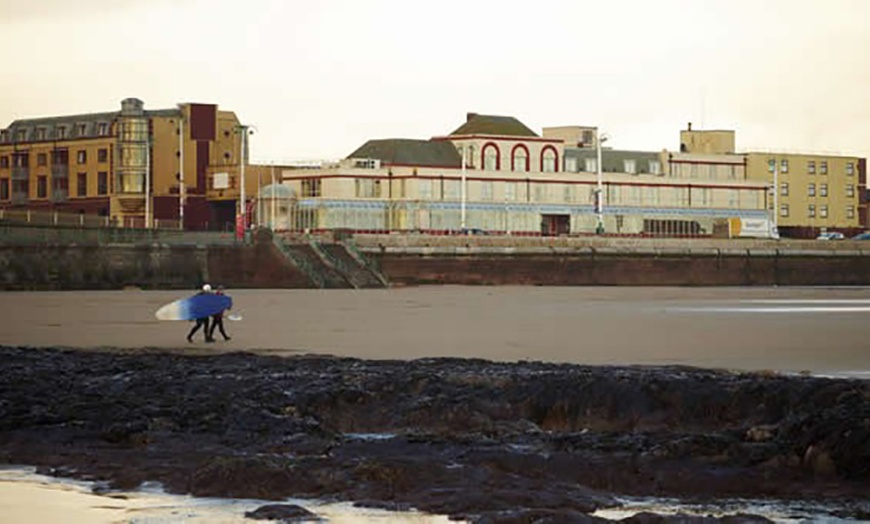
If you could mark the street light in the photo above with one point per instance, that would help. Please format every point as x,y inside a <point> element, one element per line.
<point>600,138</point>
<point>242,215</point>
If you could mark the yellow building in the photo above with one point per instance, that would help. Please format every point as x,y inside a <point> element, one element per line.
<point>495,174</point>
<point>131,167</point>
<point>814,192</point>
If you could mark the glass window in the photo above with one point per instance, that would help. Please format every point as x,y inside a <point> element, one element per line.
<point>630,166</point>
<point>510,191</point>
<point>783,166</point>
<point>850,211</point>
<point>569,193</point>
<point>823,211</point>
<point>102,183</point>
<point>102,155</point>
<point>771,165</point>
<point>540,192</point>
<point>82,157</point>
<point>490,158</point>
<point>811,211</point>
<point>811,189</point>
<point>823,190</point>
<point>82,184</point>
<point>4,189</point>
<point>41,159</point>
<point>548,161</point>
<point>520,160</point>
<point>655,167</point>
<point>811,167</point>
<point>425,189</point>
<point>783,188</point>
<point>591,165</point>
<point>823,167</point>
<point>850,168</point>
<point>571,165</point>
<point>486,190</point>
<point>42,187</point>
<point>103,129</point>
<point>850,190</point>
<point>4,162</point>
<point>61,132</point>
<point>783,210</point>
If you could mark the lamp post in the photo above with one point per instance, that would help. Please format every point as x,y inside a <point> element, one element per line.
<point>463,194</point>
<point>147,179</point>
<point>182,190</point>
<point>242,214</point>
<point>775,199</point>
<point>599,191</point>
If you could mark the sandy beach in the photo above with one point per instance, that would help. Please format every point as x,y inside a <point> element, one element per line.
<point>820,330</point>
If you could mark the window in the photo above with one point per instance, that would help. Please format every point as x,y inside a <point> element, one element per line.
<point>22,135</point>
<point>850,211</point>
<point>102,155</point>
<point>82,157</point>
<point>811,167</point>
<point>823,190</point>
<point>568,193</point>
<point>82,184</point>
<point>771,165</point>
<point>4,162</point>
<point>811,211</point>
<point>42,187</point>
<point>41,159</point>
<point>102,183</point>
<point>520,159</point>
<point>652,196</point>
<point>811,189</point>
<point>310,187</point>
<point>103,129</point>
<point>486,191</point>
<point>850,190</point>
<point>850,168</point>
<point>20,187</point>
<point>571,165</point>
<point>4,136</point>
<point>21,160</point>
<point>823,211</point>
<point>82,129</point>
<point>783,188</point>
<point>425,189</point>
<point>60,185</point>
<point>61,132</point>
<point>630,166</point>
<point>655,167</point>
<point>591,165</point>
<point>452,189</point>
<point>490,157</point>
<point>540,192</point>
<point>366,188</point>
<point>4,189</point>
<point>783,166</point>
<point>510,191</point>
<point>40,133</point>
<point>548,160</point>
<point>783,210</point>
<point>823,167</point>
<point>470,160</point>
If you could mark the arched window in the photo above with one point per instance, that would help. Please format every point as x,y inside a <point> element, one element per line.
<point>491,157</point>
<point>520,158</point>
<point>549,159</point>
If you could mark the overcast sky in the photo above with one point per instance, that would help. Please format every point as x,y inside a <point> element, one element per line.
<point>318,78</point>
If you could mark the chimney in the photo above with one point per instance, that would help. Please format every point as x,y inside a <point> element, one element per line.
<point>690,126</point>
<point>469,116</point>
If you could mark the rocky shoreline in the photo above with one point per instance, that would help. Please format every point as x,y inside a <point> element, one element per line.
<point>474,439</point>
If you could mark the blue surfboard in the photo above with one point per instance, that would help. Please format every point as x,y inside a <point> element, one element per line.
<point>197,306</point>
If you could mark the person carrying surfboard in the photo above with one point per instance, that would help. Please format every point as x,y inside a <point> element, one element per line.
<point>203,321</point>
<point>217,320</point>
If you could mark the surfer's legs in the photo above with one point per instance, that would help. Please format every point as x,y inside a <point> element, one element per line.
<point>218,322</point>
<point>200,322</point>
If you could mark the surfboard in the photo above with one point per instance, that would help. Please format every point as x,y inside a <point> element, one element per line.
<point>197,306</point>
<point>234,316</point>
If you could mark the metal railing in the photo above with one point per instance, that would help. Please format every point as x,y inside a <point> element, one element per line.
<point>300,262</point>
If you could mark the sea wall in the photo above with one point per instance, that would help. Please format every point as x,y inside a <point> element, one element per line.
<point>148,266</point>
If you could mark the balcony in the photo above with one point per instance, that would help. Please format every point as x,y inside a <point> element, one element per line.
<point>20,173</point>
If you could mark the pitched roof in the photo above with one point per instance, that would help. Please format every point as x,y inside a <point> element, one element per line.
<point>411,152</point>
<point>493,125</point>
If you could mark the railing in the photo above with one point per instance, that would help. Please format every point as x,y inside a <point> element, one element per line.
<point>364,261</point>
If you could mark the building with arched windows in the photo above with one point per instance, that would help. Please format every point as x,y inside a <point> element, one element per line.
<point>494,174</point>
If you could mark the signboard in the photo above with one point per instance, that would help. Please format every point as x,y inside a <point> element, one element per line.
<point>753,228</point>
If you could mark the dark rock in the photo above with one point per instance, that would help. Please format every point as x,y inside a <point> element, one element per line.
<point>283,513</point>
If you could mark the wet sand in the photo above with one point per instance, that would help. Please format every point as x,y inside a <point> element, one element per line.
<point>828,331</point>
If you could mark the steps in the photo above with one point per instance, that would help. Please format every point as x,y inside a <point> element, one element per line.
<point>332,265</point>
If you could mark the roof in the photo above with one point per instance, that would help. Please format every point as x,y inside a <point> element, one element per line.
<point>405,151</point>
<point>476,124</point>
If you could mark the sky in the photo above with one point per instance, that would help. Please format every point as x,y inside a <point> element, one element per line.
<point>318,78</point>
